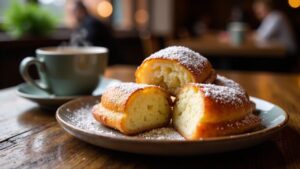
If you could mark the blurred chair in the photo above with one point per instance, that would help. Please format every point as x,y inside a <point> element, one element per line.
<point>150,43</point>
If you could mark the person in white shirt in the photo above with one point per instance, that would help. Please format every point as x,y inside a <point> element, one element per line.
<point>274,26</point>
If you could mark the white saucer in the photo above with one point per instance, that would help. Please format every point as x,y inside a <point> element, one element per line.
<point>46,100</point>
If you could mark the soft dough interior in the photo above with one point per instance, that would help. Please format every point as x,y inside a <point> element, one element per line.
<point>167,74</point>
<point>188,111</point>
<point>148,109</point>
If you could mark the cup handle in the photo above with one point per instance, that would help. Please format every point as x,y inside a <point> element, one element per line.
<point>25,64</point>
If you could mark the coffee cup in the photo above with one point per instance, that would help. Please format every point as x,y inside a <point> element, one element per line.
<point>237,32</point>
<point>66,71</point>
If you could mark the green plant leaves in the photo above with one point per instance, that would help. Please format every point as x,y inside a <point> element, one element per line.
<point>28,20</point>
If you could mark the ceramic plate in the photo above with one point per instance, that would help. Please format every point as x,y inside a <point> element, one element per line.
<point>46,100</point>
<point>76,118</point>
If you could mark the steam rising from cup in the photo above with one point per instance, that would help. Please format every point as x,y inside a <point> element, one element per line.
<point>77,39</point>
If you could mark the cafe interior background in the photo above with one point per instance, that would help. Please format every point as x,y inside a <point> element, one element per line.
<point>133,29</point>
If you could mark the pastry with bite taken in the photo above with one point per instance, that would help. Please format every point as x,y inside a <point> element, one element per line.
<point>133,108</point>
<point>173,67</point>
<point>208,110</point>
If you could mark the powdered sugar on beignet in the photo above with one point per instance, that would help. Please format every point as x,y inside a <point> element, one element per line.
<point>173,67</point>
<point>224,94</point>
<point>224,81</point>
<point>133,108</point>
<point>190,59</point>
<point>200,110</point>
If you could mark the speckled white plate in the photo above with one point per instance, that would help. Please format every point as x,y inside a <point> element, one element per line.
<point>76,118</point>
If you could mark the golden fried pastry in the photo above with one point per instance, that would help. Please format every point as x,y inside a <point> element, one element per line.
<point>223,81</point>
<point>133,108</point>
<point>173,67</point>
<point>206,130</point>
<point>208,110</point>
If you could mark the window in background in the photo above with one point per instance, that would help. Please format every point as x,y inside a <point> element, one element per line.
<point>4,4</point>
<point>131,15</point>
<point>123,15</point>
<point>56,7</point>
<point>143,15</point>
<point>162,17</point>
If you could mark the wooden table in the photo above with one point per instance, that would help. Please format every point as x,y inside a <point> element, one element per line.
<point>212,44</point>
<point>31,138</point>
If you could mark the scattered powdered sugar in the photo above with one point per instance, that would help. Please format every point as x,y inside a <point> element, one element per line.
<point>190,59</point>
<point>165,133</point>
<point>223,81</point>
<point>224,94</point>
<point>118,93</point>
<point>82,118</point>
<point>248,120</point>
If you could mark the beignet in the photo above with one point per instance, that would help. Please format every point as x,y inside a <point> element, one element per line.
<point>133,108</point>
<point>207,110</point>
<point>224,81</point>
<point>173,67</point>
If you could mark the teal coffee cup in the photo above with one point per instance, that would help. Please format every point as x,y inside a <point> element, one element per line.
<point>237,32</point>
<point>66,71</point>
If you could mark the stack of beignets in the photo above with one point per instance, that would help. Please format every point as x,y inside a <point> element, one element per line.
<point>206,104</point>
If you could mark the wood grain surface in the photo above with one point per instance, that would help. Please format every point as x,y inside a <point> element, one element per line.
<point>31,138</point>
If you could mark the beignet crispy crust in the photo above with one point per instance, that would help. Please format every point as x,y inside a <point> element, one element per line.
<point>133,108</point>
<point>174,67</point>
<point>205,130</point>
<point>208,110</point>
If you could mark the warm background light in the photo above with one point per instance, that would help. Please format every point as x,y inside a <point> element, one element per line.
<point>141,16</point>
<point>294,3</point>
<point>104,9</point>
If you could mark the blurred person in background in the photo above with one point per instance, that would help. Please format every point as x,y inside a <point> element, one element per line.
<point>274,26</point>
<point>95,32</point>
